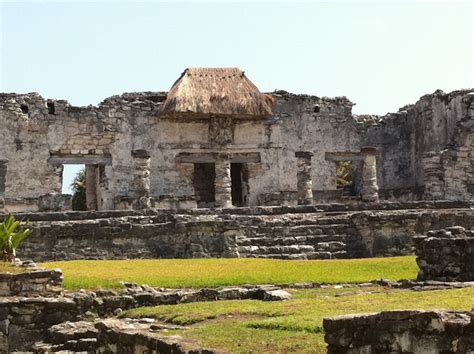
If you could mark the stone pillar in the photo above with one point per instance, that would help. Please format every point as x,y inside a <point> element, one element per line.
<point>433,176</point>
<point>141,159</point>
<point>303,177</point>
<point>91,187</point>
<point>223,181</point>
<point>370,188</point>
<point>3,175</point>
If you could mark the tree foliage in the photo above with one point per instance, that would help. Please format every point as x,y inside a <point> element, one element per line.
<point>78,186</point>
<point>344,173</point>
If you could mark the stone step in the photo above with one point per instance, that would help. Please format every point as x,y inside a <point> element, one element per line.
<point>293,249</point>
<point>303,256</point>
<point>304,229</point>
<point>288,240</point>
<point>83,345</point>
<point>275,249</point>
<point>299,222</point>
<point>72,331</point>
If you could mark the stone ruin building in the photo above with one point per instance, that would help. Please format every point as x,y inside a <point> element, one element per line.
<point>214,140</point>
<point>216,168</point>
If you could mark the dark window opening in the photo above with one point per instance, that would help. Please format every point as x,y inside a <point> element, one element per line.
<point>345,177</point>
<point>24,108</point>
<point>239,187</point>
<point>316,109</point>
<point>51,109</point>
<point>204,188</point>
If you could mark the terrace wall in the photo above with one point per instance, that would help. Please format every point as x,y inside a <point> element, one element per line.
<point>409,331</point>
<point>446,255</point>
<point>429,126</point>
<point>286,232</point>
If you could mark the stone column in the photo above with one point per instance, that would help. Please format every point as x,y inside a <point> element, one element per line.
<point>141,175</point>
<point>91,187</point>
<point>223,181</point>
<point>3,175</point>
<point>303,177</point>
<point>433,176</point>
<point>370,188</point>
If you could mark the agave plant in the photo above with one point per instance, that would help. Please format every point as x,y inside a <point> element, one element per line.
<point>344,173</point>
<point>11,236</point>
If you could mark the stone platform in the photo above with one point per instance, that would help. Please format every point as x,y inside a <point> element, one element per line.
<point>446,255</point>
<point>407,331</point>
<point>304,232</point>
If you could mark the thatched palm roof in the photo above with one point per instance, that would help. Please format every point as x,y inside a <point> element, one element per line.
<point>209,92</point>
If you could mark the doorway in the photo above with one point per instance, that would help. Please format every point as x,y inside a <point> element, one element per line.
<point>204,188</point>
<point>239,178</point>
<point>345,177</point>
<point>86,178</point>
<point>74,183</point>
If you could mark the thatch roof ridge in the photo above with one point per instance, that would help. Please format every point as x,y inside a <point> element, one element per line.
<point>216,91</point>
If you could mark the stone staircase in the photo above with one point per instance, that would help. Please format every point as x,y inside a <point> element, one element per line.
<point>303,236</point>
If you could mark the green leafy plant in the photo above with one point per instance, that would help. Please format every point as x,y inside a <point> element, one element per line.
<point>78,186</point>
<point>11,236</point>
<point>344,174</point>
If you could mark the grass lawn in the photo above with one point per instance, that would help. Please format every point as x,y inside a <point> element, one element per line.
<point>10,268</point>
<point>196,273</point>
<point>295,325</point>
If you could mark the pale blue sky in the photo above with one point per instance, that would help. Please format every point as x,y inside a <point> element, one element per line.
<point>380,54</point>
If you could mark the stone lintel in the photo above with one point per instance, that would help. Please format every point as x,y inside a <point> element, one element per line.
<point>211,157</point>
<point>304,154</point>
<point>80,160</point>
<point>368,150</point>
<point>141,153</point>
<point>344,156</point>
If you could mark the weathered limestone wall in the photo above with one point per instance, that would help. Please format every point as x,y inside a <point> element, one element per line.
<point>391,233</point>
<point>403,139</point>
<point>41,135</point>
<point>410,331</point>
<point>300,232</point>
<point>31,283</point>
<point>37,131</point>
<point>446,255</point>
<point>313,124</point>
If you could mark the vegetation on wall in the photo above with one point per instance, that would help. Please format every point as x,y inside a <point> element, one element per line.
<point>12,233</point>
<point>78,186</point>
<point>344,173</point>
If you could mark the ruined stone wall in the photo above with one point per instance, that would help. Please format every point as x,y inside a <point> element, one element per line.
<point>36,130</point>
<point>405,137</point>
<point>391,233</point>
<point>41,135</point>
<point>446,255</point>
<point>300,232</point>
<point>409,331</point>
<point>313,124</point>
<point>30,283</point>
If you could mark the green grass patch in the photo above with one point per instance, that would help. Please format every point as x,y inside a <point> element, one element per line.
<point>191,313</point>
<point>295,325</point>
<point>7,267</point>
<point>197,273</point>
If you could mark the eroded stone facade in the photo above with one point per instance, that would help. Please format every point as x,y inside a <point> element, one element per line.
<point>410,331</point>
<point>423,151</point>
<point>446,255</point>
